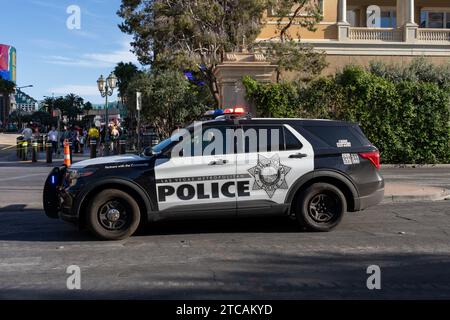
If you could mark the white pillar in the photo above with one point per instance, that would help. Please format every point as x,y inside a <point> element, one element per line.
<point>410,26</point>
<point>411,12</point>
<point>343,25</point>
<point>400,15</point>
<point>343,11</point>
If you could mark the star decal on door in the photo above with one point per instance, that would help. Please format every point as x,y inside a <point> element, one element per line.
<point>269,174</point>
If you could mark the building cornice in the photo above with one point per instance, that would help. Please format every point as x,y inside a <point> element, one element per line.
<point>377,48</point>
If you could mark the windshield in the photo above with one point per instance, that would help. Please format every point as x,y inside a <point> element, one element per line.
<point>160,147</point>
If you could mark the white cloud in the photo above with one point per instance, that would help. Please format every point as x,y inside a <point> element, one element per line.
<point>97,60</point>
<point>81,90</point>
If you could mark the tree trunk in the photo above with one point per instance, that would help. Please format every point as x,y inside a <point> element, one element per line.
<point>213,86</point>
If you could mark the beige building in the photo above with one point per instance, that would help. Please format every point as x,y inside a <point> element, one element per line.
<point>358,31</point>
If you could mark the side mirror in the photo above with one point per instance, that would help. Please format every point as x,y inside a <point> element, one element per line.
<point>150,152</point>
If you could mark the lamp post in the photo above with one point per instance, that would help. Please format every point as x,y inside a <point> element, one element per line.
<point>106,88</point>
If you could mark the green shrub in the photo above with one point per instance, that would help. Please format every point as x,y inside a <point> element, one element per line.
<point>272,99</point>
<point>404,111</point>
<point>418,70</point>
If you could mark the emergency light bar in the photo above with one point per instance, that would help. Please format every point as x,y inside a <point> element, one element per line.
<point>229,111</point>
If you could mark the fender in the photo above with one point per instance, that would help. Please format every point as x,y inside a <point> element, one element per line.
<point>149,206</point>
<point>342,177</point>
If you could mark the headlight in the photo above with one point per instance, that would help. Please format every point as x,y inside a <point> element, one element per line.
<point>73,175</point>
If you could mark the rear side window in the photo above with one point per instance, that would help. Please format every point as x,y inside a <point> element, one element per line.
<point>339,136</point>
<point>291,141</point>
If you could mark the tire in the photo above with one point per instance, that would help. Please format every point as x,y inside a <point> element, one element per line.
<point>320,207</point>
<point>113,215</point>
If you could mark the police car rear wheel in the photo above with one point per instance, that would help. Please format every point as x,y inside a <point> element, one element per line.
<point>320,207</point>
<point>113,215</point>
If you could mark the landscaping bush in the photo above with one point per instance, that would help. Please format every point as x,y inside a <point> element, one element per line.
<point>272,100</point>
<point>404,112</point>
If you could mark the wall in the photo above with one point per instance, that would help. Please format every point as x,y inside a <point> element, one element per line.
<point>325,30</point>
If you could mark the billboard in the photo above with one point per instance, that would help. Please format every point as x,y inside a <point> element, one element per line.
<point>8,63</point>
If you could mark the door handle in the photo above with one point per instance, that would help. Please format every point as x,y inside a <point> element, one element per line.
<point>218,162</point>
<point>298,156</point>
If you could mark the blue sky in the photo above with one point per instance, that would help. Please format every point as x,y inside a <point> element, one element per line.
<point>56,59</point>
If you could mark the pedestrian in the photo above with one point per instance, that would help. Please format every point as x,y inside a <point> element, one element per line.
<point>103,132</point>
<point>52,136</point>
<point>115,134</point>
<point>76,139</point>
<point>82,140</point>
<point>27,133</point>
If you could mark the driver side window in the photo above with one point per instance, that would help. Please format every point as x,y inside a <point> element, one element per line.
<point>210,141</point>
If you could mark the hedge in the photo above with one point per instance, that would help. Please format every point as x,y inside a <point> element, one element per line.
<point>408,120</point>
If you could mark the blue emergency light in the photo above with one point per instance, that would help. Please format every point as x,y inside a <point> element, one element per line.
<point>214,113</point>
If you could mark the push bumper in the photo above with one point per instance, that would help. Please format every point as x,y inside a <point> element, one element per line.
<point>58,202</point>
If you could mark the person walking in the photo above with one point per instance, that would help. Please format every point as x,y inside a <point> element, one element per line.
<point>27,133</point>
<point>103,133</point>
<point>52,136</point>
<point>83,137</point>
<point>115,134</point>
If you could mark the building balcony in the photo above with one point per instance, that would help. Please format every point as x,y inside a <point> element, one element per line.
<point>375,34</point>
<point>422,35</point>
<point>394,21</point>
<point>434,35</point>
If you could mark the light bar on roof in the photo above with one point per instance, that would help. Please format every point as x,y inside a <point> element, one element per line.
<point>227,111</point>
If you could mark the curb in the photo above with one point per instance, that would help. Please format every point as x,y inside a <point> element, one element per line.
<point>443,195</point>
<point>415,166</point>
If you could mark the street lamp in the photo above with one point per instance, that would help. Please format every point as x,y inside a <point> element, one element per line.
<point>106,88</point>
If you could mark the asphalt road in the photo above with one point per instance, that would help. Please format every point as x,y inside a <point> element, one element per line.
<point>232,259</point>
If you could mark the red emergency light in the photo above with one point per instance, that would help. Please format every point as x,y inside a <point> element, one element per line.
<point>236,110</point>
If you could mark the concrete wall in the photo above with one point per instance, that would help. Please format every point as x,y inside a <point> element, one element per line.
<point>325,30</point>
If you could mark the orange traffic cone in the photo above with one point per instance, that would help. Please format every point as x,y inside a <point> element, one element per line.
<point>67,153</point>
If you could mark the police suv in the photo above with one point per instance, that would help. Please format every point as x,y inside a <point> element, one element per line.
<point>231,166</point>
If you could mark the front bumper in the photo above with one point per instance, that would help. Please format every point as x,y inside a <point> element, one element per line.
<point>58,199</point>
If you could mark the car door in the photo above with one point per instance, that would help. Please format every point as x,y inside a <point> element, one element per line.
<point>199,184</point>
<point>280,157</point>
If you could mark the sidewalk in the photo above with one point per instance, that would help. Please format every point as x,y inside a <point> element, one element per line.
<point>8,139</point>
<point>403,192</point>
<point>416,183</point>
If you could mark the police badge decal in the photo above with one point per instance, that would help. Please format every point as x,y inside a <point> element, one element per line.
<point>269,174</point>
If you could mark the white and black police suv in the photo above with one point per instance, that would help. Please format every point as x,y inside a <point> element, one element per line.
<point>232,166</point>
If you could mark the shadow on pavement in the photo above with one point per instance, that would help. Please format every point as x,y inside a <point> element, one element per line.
<point>20,224</point>
<point>268,275</point>
<point>14,208</point>
<point>223,225</point>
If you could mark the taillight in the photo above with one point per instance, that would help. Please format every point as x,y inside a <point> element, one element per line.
<point>373,156</point>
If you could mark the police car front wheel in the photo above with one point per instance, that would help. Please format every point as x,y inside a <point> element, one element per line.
<point>320,207</point>
<point>113,215</point>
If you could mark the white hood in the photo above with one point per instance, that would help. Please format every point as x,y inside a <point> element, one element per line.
<point>106,160</point>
